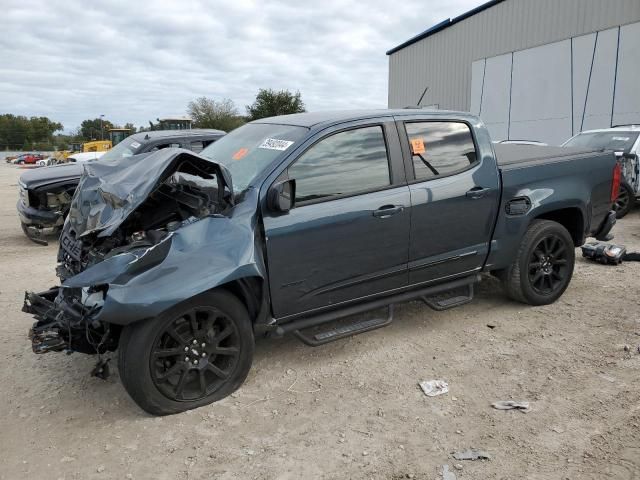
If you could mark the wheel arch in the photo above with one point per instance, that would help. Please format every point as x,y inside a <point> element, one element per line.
<point>571,218</point>
<point>251,292</point>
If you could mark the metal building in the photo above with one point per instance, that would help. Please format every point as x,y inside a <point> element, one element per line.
<point>532,69</point>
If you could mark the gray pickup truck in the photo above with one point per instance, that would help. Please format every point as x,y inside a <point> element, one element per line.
<point>45,193</point>
<point>297,223</point>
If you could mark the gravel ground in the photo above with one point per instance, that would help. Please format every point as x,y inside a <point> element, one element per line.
<point>351,409</point>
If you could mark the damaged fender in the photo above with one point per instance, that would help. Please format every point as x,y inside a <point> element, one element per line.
<point>198,257</point>
<point>145,235</point>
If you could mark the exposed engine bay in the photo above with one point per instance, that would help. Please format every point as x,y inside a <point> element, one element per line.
<point>121,223</point>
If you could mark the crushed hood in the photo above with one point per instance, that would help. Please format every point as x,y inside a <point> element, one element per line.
<point>109,191</point>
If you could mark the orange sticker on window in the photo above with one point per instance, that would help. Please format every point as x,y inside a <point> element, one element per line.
<point>417,146</point>
<point>240,153</point>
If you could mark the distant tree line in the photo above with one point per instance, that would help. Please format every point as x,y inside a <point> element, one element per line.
<point>21,133</point>
<point>39,133</point>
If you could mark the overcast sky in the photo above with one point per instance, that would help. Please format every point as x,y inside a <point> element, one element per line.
<point>135,61</point>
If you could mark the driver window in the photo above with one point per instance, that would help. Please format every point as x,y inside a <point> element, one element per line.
<point>341,164</point>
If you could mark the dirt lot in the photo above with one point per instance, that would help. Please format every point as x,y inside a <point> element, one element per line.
<point>351,409</point>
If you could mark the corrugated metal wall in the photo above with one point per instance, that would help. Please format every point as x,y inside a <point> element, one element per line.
<point>443,61</point>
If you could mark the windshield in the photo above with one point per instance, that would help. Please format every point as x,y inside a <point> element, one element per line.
<point>610,140</point>
<point>248,150</point>
<point>125,148</point>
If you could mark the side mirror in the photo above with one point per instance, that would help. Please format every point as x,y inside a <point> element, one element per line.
<point>629,155</point>
<point>281,196</point>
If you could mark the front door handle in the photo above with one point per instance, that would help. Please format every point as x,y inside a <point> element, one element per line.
<point>386,211</point>
<point>477,192</point>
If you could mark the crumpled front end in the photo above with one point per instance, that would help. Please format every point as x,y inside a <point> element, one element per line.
<point>140,238</point>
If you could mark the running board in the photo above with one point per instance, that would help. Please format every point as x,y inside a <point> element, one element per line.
<point>450,299</point>
<point>296,326</point>
<point>345,330</point>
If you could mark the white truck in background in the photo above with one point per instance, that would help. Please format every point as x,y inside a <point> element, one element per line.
<point>624,140</point>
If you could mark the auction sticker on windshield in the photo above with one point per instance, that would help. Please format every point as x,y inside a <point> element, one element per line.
<point>134,145</point>
<point>275,144</point>
<point>240,154</point>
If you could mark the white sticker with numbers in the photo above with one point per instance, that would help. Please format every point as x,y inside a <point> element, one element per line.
<point>275,144</point>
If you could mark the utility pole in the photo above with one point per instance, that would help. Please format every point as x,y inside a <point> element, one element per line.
<point>101,130</point>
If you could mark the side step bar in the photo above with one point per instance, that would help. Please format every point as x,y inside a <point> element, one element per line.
<point>296,326</point>
<point>451,299</point>
<point>345,330</point>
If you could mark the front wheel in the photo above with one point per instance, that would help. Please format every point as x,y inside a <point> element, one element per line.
<point>192,355</point>
<point>543,266</point>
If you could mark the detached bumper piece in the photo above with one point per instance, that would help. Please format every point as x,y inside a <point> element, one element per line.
<point>44,335</point>
<point>63,324</point>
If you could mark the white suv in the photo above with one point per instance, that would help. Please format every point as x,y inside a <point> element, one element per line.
<point>624,140</point>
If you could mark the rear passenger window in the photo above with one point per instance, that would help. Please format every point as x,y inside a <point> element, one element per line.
<point>344,163</point>
<point>164,145</point>
<point>440,148</point>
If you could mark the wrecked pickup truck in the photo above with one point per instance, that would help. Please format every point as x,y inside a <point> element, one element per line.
<point>295,224</point>
<point>45,193</point>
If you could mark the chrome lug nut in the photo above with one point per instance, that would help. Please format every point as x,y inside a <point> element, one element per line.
<point>195,342</point>
<point>186,349</point>
<point>203,345</point>
<point>204,354</point>
<point>195,362</point>
<point>186,359</point>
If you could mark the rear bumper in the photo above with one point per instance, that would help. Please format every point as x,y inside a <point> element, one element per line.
<point>603,232</point>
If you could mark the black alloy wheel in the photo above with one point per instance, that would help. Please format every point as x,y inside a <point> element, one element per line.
<point>543,266</point>
<point>548,265</point>
<point>195,354</point>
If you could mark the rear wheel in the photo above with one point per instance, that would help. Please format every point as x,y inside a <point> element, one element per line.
<point>190,356</point>
<point>625,201</point>
<point>543,267</point>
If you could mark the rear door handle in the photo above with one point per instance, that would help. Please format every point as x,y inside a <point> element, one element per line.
<point>477,192</point>
<point>386,211</point>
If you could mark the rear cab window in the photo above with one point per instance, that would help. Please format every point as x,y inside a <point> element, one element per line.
<point>440,148</point>
<point>342,164</point>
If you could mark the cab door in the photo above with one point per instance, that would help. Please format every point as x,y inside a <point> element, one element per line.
<point>347,236</point>
<point>455,192</point>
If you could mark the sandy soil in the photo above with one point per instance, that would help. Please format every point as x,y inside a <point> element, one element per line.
<point>351,409</point>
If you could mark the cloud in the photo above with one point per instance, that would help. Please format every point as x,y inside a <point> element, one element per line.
<point>136,61</point>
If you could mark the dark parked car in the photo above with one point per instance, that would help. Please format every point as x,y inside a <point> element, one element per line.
<point>289,223</point>
<point>45,193</point>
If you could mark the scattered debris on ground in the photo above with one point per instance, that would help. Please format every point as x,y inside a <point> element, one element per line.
<point>471,454</point>
<point>433,388</point>
<point>524,407</point>
<point>447,474</point>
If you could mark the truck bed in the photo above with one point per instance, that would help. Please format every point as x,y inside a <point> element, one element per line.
<point>554,179</point>
<point>511,156</point>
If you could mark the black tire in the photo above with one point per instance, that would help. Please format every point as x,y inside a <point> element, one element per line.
<point>625,201</point>
<point>543,266</point>
<point>163,378</point>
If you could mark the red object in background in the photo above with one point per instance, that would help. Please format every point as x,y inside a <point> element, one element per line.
<point>615,185</point>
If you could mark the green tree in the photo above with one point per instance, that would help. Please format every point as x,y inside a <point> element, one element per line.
<point>208,113</point>
<point>95,129</point>
<point>271,103</point>
<point>131,127</point>
<point>17,131</point>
